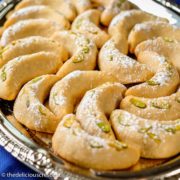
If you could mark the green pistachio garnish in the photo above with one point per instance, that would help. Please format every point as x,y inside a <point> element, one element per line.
<point>27,103</point>
<point>171,130</point>
<point>118,145</point>
<point>110,57</point>
<point>178,99</point>
<point>167,39</point>
<point>87,41</point>
<point>92,31</point>
<point>3,75</point>
<point>161,105</point>
<point>120,120</point>
<point>54,98</point>
<point>78,58</point>
<point>35,80</point>
<point>177,127</point>
<point>79,23</point>
<point>76,131</point>
<point>145,130</point>
<point>152,83</point>
<point>95,144</point>
<point>14,43</point>
<point>41,110</point>
<point>150,134</point>
<point>154,137</point>
<point>85,49</point>
<point>3,50</point>
<point>138,103</point>
<point>104,127</point>
<point>68,123</point>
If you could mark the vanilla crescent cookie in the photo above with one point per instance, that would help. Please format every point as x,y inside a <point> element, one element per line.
<point>30,45</point>
<point>63,7</point>
<point>150,30</point>
<point>82,5</point>
<point>124,68</point>
<point>122,24</point>
<point>163,83</point>
<point>162,108</point>
<point>96,105</point>
<point>156,139</point>
<point>148,51</point>
<point>87,24</point>
<point>22,69</point>
<point>37,12</point>
<point>29,109</point>
<point>30,27</point>
<point>75,145</point>
<point>82,52</point>
<point>66,93</point>
<point>112,8</point>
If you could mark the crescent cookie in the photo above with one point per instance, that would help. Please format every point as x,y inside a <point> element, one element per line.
<point>66,93</point>
<point>75,145</point>
<point>82,5</point>
<point>30,45</point>
<point>156,139</point>
<point>113,8</point>
<point>29,109</point>
<point>63,7</point>
<point>122,24</point>
<point>37,12</point>
<point>82,51</point>
<point>87,24</point>
<point>31,27</point>
<point>147,51</point>
<point>150,30</point>
<point>96,105</point>
<point>162,108</point>
<point>163,83</point>
<point>20,70</point>
<point>124,68</point>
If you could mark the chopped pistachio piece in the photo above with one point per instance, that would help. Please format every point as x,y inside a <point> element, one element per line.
<point>161,105</point>
<point>177,127</point>
<point>41,110</point>
<point>178,99</point>
<point>95,144</point>
<point>35,80</point>
<point>73,33</point>
<point>110,57</point>
<point>154,137</point>
<point>79,58</point>
<point>167,39</point>
<point>138,103</point>
<point>85,49</point>
<point>79,23</point>
<point>152,83</point>
<point>68,123</point>
<point>104,127</point>
<point>171,130</point>
<point>27,103</point>
<point>120,120</point>
<point>3,50</point>
<point>87,41</point>
<point>14,43</point>
<point>118,145</point>
<point>54,98</point>
<point>92,31</point>
<point>76,131</point>
<point>3,75</point>
<point>169,68</point>
<point>145,130</point>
